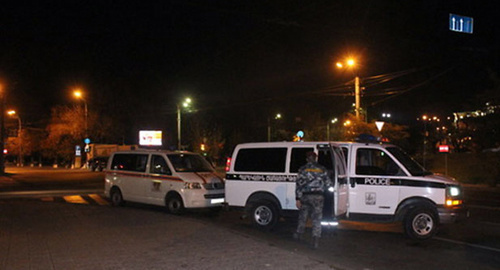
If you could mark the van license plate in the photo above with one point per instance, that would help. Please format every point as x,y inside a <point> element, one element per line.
<point>216,201</point>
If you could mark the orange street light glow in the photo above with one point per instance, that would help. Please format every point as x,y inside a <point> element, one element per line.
<point>78,93</point>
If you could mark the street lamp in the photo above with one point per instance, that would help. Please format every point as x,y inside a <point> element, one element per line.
<point>185,105</point>
<point>424,118</point>
<point>333,121</point>
<point>79,95</point>
<point>276,117</point>
<point>350,62</point>
<point>20,155</point>
<point>386,115</point>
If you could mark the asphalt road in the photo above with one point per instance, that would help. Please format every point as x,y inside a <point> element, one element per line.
<point>474,244</point>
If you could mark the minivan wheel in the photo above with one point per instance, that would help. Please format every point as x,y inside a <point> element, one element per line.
<point>116,197</point>
<point>264,214</point>
<point>421,223</point>
<point>174,204</point>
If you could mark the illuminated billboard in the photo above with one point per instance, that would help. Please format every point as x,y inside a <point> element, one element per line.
<point>150,137</point>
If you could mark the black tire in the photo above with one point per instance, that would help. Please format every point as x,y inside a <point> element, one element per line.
<point>174,204</point>
<point>116,197</point>
<point>421,223</point>
<point>264,214</point>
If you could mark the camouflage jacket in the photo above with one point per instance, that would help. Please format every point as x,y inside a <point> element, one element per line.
<point>312,178</point>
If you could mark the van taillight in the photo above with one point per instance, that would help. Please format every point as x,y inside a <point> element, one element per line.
<point>228,164</point>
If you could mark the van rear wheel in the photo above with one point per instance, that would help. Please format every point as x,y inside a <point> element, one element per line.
<point>264,214</point>
<point>174,204</point>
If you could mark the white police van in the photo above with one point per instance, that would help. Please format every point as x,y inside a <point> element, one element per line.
<point>374,182</point>
<point>177,180</point>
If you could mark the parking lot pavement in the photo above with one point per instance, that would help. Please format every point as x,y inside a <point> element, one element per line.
<point>41,235</point>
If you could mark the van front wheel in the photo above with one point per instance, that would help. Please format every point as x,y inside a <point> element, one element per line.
<point>264,214</point>
<point>421,223</point>
<point>116,197</point>
<point>174,204</point>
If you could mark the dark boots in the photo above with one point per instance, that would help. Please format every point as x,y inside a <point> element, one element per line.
<point>315,243</point>
<point>297,236</point>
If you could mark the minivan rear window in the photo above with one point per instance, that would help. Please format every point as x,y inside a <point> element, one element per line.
<point>261,160</point>
<point>129,162</point>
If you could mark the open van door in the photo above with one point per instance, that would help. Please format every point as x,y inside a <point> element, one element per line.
<point>341,183</point>
<point>335,204</point>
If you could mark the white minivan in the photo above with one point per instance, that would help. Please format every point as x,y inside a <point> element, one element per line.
<point>373,181</point>
<point>177,180</point>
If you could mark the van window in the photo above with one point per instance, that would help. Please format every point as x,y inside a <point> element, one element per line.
<point>375,162</point>
<point>159,165</point>
<point>130,162</point>
<point>261,160</point>
<point>339,163</point>
<point>189,163</point>
<point>298,158</point>
<point>325,159</point>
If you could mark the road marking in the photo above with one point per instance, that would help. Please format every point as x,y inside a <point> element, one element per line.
<point>98,199</point>
<point>75,199</point>
<point>467,244</point>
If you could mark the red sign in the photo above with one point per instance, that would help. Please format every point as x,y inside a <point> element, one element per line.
<point>444,148</point>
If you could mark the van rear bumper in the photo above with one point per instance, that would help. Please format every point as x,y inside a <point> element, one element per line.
<point>452,215</point>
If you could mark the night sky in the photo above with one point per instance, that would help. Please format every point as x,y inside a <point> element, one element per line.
<point>237,57</point>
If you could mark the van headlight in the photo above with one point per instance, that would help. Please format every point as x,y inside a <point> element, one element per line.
<point>190,185</point>
<point>454,196</point>
<point>454,191</point>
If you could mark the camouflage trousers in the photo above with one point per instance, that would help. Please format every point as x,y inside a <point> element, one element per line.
<point>311,204</point>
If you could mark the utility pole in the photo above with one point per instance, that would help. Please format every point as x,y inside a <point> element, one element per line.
<point>357,96</point>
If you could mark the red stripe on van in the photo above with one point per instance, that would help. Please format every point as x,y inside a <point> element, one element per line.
<point>144,175</point>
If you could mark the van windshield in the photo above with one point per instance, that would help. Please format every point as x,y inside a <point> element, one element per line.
<point>189,163</point>
<point>410,164</point>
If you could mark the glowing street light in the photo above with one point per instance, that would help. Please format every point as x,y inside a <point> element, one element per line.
<point>79,95</point>
<point>425,118</point>
<point>350,62</point>
<point>276,117</point>
<point>186,103</point>
<point>332,121</point>
<point>13,113</point>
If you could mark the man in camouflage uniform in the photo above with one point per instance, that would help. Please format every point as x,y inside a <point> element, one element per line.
<point>312,181</point>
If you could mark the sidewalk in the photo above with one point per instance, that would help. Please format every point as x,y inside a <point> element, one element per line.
<point>6,181</point>
<point>38,235</point>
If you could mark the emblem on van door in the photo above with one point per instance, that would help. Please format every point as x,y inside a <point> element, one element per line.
<point>370,198</point>
<point>377,181</point>
<point>156,186</point>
